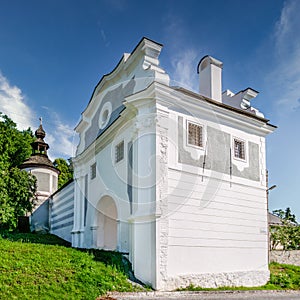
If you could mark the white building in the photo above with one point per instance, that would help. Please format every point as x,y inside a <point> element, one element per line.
<point>173,178</point>
<point>41,167</point>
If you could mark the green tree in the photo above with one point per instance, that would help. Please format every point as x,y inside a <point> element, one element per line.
<point>17,188</point>
<point>285,215</point>
<point>288,233</point>
<point>66,171</point>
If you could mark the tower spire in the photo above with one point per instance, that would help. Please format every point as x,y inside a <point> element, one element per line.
<point>39,146</point>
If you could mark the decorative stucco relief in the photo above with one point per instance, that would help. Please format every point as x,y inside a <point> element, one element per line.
<point>145,122</point>
<point>162,191</point>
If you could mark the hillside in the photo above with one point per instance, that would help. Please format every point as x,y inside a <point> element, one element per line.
<point>45,267</point>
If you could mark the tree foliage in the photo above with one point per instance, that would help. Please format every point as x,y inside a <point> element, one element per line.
<point>285,215</point>
<point>17,188</point>
<point>286,235</point>
<point>66,171</point>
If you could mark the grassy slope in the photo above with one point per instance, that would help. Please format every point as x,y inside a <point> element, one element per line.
<point>41,267</point>
<point>45,267</point>
<point>284,277</point>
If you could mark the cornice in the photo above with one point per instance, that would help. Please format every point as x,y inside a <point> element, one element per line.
<point>171,97</point>
<point>159,97</point>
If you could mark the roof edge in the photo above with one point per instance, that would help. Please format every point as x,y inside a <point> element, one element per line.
<point>123,59</point>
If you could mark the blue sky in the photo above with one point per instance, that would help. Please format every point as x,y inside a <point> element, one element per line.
<point>53,53</point>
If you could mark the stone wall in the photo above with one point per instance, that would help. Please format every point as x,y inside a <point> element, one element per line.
<point>286,257</point>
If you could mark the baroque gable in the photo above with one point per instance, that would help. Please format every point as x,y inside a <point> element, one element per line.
<point>134,73</point>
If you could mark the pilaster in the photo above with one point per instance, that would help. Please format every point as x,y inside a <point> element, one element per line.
<point>78,228</point>
<point>162,224</point>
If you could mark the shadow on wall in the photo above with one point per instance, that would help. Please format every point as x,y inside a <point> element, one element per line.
<point>107,226</point>
<point>39,220</point>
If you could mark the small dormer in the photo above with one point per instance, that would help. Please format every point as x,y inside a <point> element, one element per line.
<point>242,100</point>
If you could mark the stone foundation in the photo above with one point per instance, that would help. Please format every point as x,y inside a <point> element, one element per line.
<point>249,279</point>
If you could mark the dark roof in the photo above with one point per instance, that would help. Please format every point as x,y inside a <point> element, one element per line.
<point>220,104</point>
<point>38,160</point>
<point>40,132</point>
<point>39,157</point>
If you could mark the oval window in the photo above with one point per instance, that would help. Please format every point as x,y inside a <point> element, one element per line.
<point>105,115</point>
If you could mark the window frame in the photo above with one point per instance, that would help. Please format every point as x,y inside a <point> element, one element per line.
<point>93,170</point>
<point>187,134</point>
<point>123,152</point>
<point>236,139</point>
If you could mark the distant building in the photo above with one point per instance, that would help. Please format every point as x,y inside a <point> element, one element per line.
<point>174,179</point>
<point>274,220</point>
<point>41,166</point>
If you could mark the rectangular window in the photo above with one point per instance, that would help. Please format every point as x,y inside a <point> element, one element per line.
<point>195,135</point>
<point>119,152</point>
<point>239,149</point>
<point>93,171</point>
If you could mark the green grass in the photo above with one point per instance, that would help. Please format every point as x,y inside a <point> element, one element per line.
<point>36,266</point>
<point>282,277</point>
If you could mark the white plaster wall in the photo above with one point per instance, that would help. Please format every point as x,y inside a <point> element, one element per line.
<point>144,256</point>
<point>43,194</point>
<point>217,223</point>
<point>136,233</point>
<point>62,212</point>
<point>226,226</point>
<point>110,180</point>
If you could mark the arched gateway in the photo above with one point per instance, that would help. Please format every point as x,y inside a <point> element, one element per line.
<point>107,224</point>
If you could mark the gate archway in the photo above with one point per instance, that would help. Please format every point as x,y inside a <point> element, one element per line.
<point>107,224</point>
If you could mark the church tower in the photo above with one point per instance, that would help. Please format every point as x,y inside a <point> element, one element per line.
<point>41,167</point>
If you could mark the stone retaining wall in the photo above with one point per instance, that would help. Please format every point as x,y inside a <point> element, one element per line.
<point>286,257</point>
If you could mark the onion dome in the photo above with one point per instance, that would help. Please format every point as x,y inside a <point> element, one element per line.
<point>39,156</point>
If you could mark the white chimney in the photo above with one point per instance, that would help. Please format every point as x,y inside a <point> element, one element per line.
<point>210,76</point>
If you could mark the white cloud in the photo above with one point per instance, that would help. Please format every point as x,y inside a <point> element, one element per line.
<point>184,65</point>
<point>183,58</point>
<point>59,135</point>
<point>286,75</point>
<point>284,89</point>
<point>12,103</point>
<point>287,24</point>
